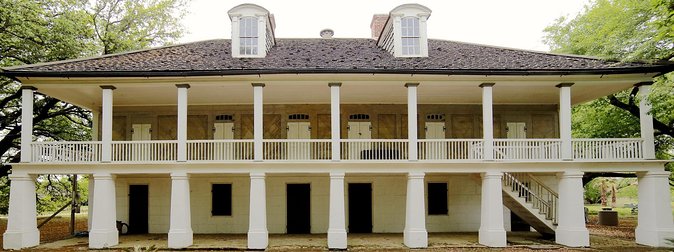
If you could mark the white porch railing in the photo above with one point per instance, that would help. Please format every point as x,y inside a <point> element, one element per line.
<point>374,149</point>
<point>450,149</point>
<point>297,149</point>
<point>66,152</point>
<point>611,148</point>
<point>219,150</point>
<point>134,151</point>
<point>535,192</point>
<point>527,149</point>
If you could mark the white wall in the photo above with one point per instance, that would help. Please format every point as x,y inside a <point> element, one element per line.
<point>159,200</point>
<point>463,204</point>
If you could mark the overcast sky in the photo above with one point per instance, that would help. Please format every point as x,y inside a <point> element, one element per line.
<point>507,23</point>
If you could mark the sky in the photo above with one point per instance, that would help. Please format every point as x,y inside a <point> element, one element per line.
<point>505,23</point>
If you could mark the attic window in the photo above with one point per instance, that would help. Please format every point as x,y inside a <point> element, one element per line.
<point>359,117</point>
<point>435,117</point>
<point>248,36</point>
<point>298,117</point>
<point>410,35</point>
<point>221,118</point>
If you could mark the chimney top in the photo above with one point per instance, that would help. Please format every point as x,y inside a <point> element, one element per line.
<point>377,24</point>
<point>327,33</point>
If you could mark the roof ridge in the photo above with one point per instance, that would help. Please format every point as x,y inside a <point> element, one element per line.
<point>101,56</point>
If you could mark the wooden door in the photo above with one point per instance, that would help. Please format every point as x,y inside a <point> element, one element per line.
<point>360,208</point>
<point>298,199</point>
<point>138,209</point>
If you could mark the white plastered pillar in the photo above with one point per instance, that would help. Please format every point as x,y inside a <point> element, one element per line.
<point>258,236</point>
<point>22,229</point>
<point>492,233</point>
<point>27,98</point>
<point>655,224</point>
<point>257,121</point>
<point>646,120</point>
<point>337,219</point>
<point>335,118</point>
<point>415,235</point>
<point>487,120</point>
<point>571,230</point>
<point>182,122</point>
<point>565,120</point>
<point>106,123</point>
<point>104,232</point>
<point>180,231</point>
<point>412,120</point>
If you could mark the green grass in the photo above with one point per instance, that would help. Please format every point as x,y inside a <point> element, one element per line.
<point>622,211</point>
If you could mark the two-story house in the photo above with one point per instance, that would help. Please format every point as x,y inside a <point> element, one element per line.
<point>397,133</point>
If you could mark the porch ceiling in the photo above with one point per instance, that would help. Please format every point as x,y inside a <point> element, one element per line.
<point>313,89</point>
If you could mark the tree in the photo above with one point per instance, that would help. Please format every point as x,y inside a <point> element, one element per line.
<point>33,31</point>
<point>626,30</point>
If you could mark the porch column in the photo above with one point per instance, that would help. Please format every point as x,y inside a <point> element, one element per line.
<point>257,121</point>
<point>26,122</point>
<point>655,224</point>
<point>180,232</point>
<point>492,232</point>
<point>646,120</point>
<point>22,229</point>
<point>182,122</point>
<point>487,120</point>
<point>571,230</point>
<point>104,227</point>
<point>337,224</point>
<point>565,120</point>
<point>412,120</point>
<point>258,237</point>
<point>335,124</point>
<point>106,124</point>
<point>415,235</point>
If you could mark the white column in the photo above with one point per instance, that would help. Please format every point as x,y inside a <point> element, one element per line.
<point>565,120</point>
<point>22,229</point>
<point>487,121</point>
<point>182,122</point>
<point>335,118</point>
<point>492,233</point>
<point>257,121</point>
<point>104,227</point>
<point>180,232</point>
<point>646,120</point>
<point>26,122</point>
<point>337,221</point>
<point>415,235</point>
<point>106,124</point>
<point>258,236</point>
<point>90,214</point>
<point>571,230</point>
<point>423,36</point>
<point>655,224</point>
<point>412,120</point>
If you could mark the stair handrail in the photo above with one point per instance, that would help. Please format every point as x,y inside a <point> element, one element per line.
<point>548,189</point>
<point>547,207</point>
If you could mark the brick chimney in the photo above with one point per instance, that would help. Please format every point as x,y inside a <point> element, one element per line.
<point>377,24</point>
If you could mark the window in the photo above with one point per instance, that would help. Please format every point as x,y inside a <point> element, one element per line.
<point>221,200</point>
<point>248,36</point>
<point>410,35</point>
<point>437,198</point>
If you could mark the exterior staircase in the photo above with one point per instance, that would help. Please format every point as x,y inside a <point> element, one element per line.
<point>532,201</point>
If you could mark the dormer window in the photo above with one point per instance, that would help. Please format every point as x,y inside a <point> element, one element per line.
<point>410,35</point>
<point>252,31</point>
<point>248,36</point>
<point>404,33</point>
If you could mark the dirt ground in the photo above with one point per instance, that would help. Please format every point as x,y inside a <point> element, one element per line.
<point>55,237</point>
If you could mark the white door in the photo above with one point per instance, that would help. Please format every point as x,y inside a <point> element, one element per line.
<point>223,150</point>
<point>299,149</point>
<point>516,150</point>
<point>360,130</point>
<point>140,132</point>
<point>435,150</point>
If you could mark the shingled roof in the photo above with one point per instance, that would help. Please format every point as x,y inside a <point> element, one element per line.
<point>213,57</point>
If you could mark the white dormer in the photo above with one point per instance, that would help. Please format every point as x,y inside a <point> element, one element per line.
<point>404,34</point>
<point>252,31</point>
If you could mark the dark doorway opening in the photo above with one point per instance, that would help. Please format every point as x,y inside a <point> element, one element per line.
<point>298,208</point>
<point>518,224</point>
<point>360,208</point>
<point>138,209</point>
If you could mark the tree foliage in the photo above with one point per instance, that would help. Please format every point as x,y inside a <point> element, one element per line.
<point>34,31</point>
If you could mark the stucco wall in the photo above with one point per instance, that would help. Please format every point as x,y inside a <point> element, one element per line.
<point>388,196</point>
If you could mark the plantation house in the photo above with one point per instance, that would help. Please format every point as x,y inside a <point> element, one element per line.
<point>397,133</point>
